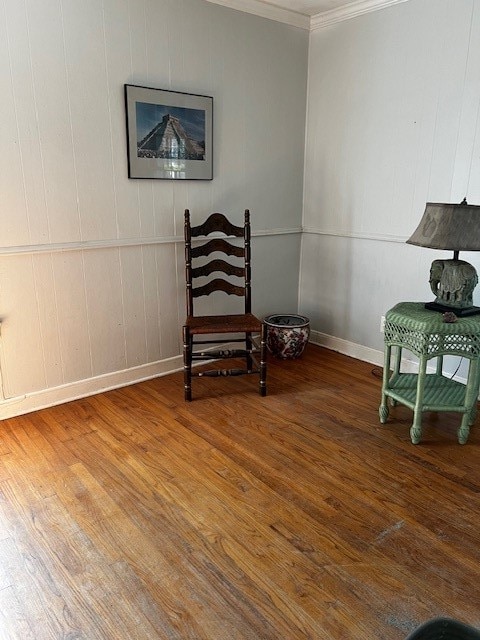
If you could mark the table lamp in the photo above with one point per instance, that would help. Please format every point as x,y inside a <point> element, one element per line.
<point>455,227</point>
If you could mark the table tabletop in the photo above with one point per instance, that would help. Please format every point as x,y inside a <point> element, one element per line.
<point>424,332</point>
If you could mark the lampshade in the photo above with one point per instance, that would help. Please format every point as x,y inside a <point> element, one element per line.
<point>455,227</point>
<point>449,226</point>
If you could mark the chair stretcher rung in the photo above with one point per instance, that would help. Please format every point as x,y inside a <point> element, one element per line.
<point>216,373</point>
<point>197,342</point>
<point>223,353</point>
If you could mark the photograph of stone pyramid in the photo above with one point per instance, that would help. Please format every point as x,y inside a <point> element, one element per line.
<point>177,133</point>
<point>169,134</point>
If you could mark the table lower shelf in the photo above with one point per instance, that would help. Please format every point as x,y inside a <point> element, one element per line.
<point>440,393</point>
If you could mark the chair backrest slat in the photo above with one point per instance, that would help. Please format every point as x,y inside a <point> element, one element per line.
<point>217,223</point>
<point>218,284</point>
<point>220,245</point>
<point>218,265</point>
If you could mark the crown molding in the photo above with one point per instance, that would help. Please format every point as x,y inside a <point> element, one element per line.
<point>264,10</point>
<point>352,10</point>
<point>295,19</point>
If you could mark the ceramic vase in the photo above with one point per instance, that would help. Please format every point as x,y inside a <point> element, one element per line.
<point>287,335</point>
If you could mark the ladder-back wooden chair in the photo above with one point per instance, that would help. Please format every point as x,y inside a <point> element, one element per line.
<point>197,327</point>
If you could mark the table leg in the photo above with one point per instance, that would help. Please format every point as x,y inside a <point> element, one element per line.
<point>397,361</point>
<point>439,365</point>
<point>383,410</point>
<point>473,414</point>
<point>471,395</point>
<point>464,430</point>
<point>416,428</point>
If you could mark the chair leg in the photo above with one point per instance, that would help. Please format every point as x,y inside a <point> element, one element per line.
<point>248,345</point>
<point>187,363</point>
<point>263,361</point>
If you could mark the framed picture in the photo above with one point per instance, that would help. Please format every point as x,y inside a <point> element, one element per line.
<point>169,134</point>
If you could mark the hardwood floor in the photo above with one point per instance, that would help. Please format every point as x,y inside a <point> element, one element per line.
<point>135,515</point>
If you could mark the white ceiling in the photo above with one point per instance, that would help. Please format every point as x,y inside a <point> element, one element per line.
<point>309,7</point>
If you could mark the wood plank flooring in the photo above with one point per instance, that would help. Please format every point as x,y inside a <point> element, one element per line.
<point>135,515</point>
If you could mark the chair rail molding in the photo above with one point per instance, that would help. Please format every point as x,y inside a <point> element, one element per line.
<point>116,243</point>
<point>380,237</point>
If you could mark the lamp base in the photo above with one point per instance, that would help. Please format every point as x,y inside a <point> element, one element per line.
<point>460,313</point>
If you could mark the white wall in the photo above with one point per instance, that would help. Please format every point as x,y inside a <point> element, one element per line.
<point>91,273</point>
<point>392,122</point>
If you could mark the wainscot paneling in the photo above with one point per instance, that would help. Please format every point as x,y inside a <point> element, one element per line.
<point>392,122</point>
<point>91,263</point>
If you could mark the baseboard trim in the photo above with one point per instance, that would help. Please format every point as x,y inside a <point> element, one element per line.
<point>19,405</point>
<point>347,348</point>
<point>366,354</point>
<point>35,401</point>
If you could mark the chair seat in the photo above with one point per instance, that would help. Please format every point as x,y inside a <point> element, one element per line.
<point>223,324</point>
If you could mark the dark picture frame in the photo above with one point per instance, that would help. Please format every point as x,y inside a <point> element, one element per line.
<point>169,134</point>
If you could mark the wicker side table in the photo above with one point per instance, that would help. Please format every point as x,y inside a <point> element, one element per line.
<point>409,325</point>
